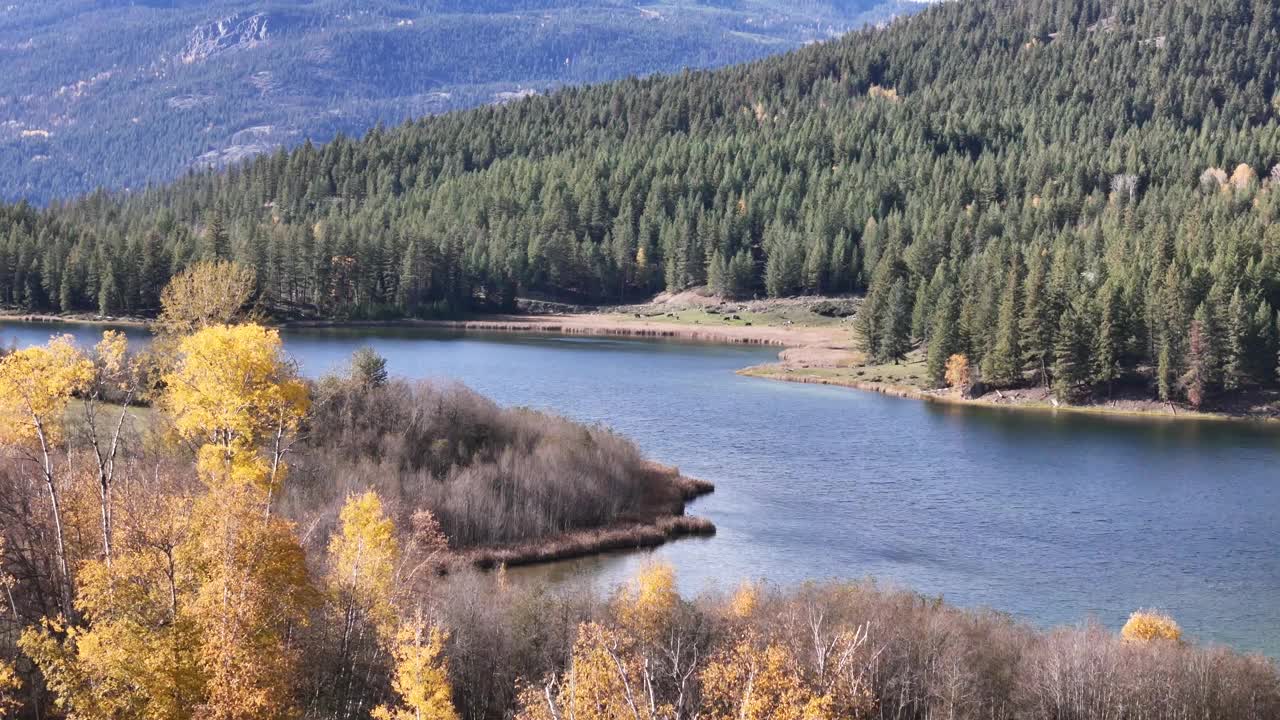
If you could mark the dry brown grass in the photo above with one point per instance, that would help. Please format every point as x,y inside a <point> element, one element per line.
<point>636,536</point>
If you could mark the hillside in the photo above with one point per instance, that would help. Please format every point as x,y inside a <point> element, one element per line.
<point>1066,192</point>
<point>122,93</point>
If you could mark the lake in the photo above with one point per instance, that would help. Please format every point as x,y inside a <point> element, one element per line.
<point>1056,518</point>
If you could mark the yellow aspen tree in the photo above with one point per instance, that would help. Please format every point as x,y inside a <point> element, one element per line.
<point>958,373</point>
<point>744,601</point>
<point>421,676</point>
<point>36,384</point>
<point>612,671</point>
<point>252,588</point>
<point>113,375</point>
<point>363,559</point>
<point>233,393</point>
<point>646,605</point>
<point>9,682</point>
<point>750,682</point>
<point>204,295</point>
<point>9,687</point>
<point>132,656</point>
<point>606,680</point>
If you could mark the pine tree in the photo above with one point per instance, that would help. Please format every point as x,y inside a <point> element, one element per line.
<point>1236,336</point>
<point>1109,340</point>
<point>1166,371</point>
<point>108,291</point>
<point>895,328</point>
<point>1037,318</point>
<point>1202,357</point>
<point>1263,352</point>
<point>943,336</point>
<point>1069,369</point>
<point>217,242</point>
<point>1003,365</point>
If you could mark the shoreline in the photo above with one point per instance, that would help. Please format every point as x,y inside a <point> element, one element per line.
<point>778,372</point>
<point>665,522</point>
<point>803,350</point>
<point>571,325</point>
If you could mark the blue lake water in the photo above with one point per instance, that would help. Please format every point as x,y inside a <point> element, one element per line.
<point>1056,518</point>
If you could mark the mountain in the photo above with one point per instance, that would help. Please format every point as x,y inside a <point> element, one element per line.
<point>1082,192</point>
<point>118,94</point>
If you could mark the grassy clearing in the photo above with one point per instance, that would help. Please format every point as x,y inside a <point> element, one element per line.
<point>850,368</point>
<point>775,316</point>
<point>107,414</point>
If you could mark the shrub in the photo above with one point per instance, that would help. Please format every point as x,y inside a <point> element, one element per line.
<point>1147,625</point>
<point>490,475</point>
<point>959,375</point>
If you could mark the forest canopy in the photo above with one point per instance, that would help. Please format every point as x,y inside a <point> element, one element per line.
<point>1073,188</point>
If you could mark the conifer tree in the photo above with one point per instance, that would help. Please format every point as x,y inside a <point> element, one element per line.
<point>1069,368</point>
<point>943,336</point>
<point>1038,316</point>
<point>1202,357</point>
<point>1264,350</point>
<point>1003,365</point>
<point>1236,336</point>
<point>1166,371</point>
<point>895,339</point>
<point>1109,339</point>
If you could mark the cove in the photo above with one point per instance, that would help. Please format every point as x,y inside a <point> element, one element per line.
<point>1055,518</point>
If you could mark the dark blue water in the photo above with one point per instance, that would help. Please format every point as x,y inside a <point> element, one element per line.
<point>1055,518</point>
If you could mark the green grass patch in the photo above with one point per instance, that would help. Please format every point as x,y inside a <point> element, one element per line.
<point>794,316</point>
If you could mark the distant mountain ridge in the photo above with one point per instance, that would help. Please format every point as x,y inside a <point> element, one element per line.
<point>119,94</point>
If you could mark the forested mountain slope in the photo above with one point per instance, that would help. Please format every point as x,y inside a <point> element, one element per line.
<point>123,92</point>
<point>1075,188</point>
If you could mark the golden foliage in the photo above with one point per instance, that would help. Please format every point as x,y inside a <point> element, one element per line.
<point>132,656</point>
<point>760,683</point>
<point>131,660</point>
<point>205,294</point>
<point>611,670</point>
<point>36,384</point>
<point>1147,625</point>
<point>110,355</point>
<point>743,603</point>
<point>9,687</point>
<point>646,605</point>
<point>363,557</point>
<point>884,93</point>
<point>252,588</point>
<point>1242,177</point>
<point>421,676</point>
<point>958,374</point>
<point>605,681</point>
<point>232,390</point>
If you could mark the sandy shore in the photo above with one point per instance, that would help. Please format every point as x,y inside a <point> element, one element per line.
<point>616,326</point>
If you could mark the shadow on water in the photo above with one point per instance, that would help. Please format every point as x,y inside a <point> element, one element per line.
<point>1019,425</point>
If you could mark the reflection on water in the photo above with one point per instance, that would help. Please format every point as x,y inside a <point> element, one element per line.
<point>1055,517</point>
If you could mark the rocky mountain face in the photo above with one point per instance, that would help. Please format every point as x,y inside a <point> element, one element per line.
<point>242,31</point>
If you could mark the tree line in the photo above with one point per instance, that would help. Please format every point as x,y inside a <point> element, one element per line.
<point>1070,192</point>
